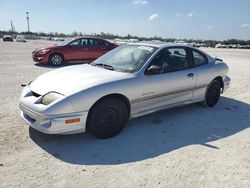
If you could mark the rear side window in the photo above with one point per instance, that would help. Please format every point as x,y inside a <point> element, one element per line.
<point>97,42</point>
<point>199,58</point>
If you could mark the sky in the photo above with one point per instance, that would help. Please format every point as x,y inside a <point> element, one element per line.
<point>192,19</point>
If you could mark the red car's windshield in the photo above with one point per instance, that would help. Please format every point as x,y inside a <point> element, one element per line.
<point>64,43</point>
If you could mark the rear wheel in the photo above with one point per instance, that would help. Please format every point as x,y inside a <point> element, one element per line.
<point>56,59</point>
<point>108,118</point>
<point>212,94</point>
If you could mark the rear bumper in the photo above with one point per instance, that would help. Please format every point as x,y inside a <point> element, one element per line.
<point>227,82</point>
<point>8,40</point>
<point>21,40</point>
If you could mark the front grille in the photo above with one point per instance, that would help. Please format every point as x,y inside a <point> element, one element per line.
<point>30,119</point>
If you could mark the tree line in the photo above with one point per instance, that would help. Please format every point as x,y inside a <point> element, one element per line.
<point>110,36</point>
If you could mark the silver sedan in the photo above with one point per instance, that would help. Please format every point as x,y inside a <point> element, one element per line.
<point>130,81</point>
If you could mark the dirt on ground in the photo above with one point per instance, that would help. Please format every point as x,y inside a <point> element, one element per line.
<point>190,146</point>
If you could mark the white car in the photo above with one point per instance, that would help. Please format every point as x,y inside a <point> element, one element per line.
<point>130,81</point>
<point>20,38</point>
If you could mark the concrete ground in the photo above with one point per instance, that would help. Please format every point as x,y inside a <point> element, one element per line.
<point>190,146</point>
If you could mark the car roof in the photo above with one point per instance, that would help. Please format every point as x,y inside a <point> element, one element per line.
<point>160,44</point>
<point>87,37</point>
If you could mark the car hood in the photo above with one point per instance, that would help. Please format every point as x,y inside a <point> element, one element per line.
<point>48,47</point>
<point>78,77</point>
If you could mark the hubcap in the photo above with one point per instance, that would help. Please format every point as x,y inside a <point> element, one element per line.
<point>109,118</point>
<point>56,60</point>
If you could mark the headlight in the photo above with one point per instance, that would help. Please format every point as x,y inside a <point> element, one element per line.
<point>42,52</point>
<point>50,97</point>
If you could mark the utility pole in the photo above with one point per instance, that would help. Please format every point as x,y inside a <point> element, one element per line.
<point>12,28</point>
<point>28,20</point>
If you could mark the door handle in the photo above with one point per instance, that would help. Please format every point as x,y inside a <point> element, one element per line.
<point>190,74</point>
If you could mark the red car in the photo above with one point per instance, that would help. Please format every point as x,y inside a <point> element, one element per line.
<point>81,49</point>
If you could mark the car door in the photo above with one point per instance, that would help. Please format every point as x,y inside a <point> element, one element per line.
<point>168,80</point>
<point>78,49</point>
<point>204,76</point>
<point>97,48</point>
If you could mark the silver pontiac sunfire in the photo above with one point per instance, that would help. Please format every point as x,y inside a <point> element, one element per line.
<point>130,81</point>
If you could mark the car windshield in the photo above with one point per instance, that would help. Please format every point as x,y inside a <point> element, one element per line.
<point>126,58</point>
<point>67,41</point>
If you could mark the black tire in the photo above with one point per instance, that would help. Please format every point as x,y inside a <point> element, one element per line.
<point>107,118</point>
<point>212,94</point>
<point>56,59</point>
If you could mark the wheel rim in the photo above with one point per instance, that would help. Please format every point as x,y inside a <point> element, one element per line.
<point>56,60</point>
<point>109,119</point>
<point>213,95</point>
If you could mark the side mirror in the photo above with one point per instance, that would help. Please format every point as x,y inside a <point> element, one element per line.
<point>154,69</point>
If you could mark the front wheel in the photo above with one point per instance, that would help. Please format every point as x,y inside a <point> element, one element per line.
<point>56,59</point>
<point>212,94</point>
<point>108,118</point>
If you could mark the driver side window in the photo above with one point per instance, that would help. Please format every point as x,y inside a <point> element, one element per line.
<point>79,43</point>
<point>169,60</point>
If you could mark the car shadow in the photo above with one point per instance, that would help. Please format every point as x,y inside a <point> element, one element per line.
<point>152,135</point>
<point>47,65</point>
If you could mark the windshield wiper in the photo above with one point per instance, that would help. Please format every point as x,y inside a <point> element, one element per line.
<point>109,67</point>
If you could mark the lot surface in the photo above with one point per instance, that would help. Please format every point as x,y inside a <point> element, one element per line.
<point>191,146</point>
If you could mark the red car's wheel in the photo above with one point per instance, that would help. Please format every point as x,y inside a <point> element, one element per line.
<point>56,59</point>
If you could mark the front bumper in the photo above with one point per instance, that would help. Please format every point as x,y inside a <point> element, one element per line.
<point>34,115</point>
<point>39,58</point>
